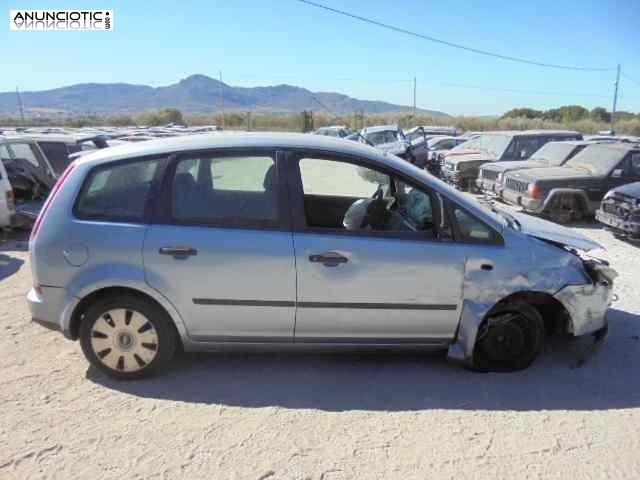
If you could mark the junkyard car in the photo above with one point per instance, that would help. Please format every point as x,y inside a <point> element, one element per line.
<point>339,131</point>
<point>551,154</point>
<point>620,210</point>
<point>437,147</point>
<point>7,202</point>
<point>461,169</point>
<point>276,240</point>
<point>391,139</point>
<point>574,190</point>
<point>33,164</point>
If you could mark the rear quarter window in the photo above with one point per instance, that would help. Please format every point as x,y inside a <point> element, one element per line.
<point>117,192</point>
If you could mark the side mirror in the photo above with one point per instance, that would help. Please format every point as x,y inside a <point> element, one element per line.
<point>617,173</point>
<point>523,154</point>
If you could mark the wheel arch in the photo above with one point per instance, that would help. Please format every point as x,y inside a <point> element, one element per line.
<point>88,298</point>
<point>555,316</point>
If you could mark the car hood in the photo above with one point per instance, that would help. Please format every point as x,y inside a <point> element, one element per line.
<point>552,173</point>
<point>630,190</point>
<point>513,165</point>
<point>472,156</point>
<point>545,230</point>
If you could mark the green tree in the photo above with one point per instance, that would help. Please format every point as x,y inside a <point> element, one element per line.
<point>600,114</point>
<point>523,113</point>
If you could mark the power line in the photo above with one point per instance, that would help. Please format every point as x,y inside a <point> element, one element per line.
<point>323,105</point>
<point>629,78</point>
<point>528,92</point>
<point>451,44</point>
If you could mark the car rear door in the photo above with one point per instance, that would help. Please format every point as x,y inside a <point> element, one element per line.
<point>367,285</point>
<point>220,247</point>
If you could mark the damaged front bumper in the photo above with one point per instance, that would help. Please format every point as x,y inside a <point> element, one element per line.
<point>625,225</point>
<point>587,304</point>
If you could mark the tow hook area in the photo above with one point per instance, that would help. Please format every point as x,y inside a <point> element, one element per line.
<point>591,348</point>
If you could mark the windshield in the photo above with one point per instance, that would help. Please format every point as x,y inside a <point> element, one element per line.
<point>597,159</point>
<point>384,136</point>
<point>472,144</point>
<point>553,153</point>
<point>494,144</point>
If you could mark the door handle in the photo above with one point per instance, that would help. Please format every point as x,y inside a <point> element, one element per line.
<point>178,251</point>
<point>328,259</point>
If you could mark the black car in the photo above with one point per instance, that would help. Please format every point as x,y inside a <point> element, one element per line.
<point>620,210</point>
<point>574,190</point>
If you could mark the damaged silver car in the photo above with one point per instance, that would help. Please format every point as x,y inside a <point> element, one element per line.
<point>278,241</point>
<point>620,210</point>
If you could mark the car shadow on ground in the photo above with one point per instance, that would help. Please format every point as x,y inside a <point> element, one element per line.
<point>401,382</point>
<point>14,241</point>
<point>9,265</point>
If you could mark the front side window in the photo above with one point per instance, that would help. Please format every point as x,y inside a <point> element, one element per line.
<point>229,190</point>
<point>470,229</point>
<point>634,164</point>
<point>117,192</point>
<point>339,195</point>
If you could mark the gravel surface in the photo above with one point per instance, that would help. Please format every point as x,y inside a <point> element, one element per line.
<point>273,416</point>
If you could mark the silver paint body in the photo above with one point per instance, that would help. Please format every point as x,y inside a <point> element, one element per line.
<point>72,258</point>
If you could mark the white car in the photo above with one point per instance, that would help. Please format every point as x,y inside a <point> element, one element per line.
<point>7,202</point>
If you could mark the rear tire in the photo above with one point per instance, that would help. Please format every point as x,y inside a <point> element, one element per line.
<point>509,339</point>
<point>127,336</point>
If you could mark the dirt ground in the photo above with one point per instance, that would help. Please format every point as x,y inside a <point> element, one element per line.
<point>275,416</point>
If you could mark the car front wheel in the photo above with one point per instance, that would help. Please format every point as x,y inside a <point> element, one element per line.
<point>127,336</point>
<point>509,339</point>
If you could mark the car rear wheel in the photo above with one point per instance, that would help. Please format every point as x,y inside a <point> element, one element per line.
<point>127,336</point>
<point>509,339</point>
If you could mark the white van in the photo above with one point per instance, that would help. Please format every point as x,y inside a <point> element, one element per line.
<point>7,203</point>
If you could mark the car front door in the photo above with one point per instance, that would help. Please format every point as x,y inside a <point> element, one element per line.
<point>220,248</point>
<point>369,276</point>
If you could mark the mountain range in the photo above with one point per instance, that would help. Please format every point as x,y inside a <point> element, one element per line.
<point>196,94</point>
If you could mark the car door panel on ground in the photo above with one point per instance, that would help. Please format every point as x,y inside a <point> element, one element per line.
<point>386,287</point>
<point>228,263</point>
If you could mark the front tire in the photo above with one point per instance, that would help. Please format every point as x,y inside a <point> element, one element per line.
<point>509,339</point>
<point>126,336</point>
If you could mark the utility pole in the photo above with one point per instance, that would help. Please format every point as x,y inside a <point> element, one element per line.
<point>414,96</point>
<point>20,106</point>
<point>222,99</point>
<point>615,101</point>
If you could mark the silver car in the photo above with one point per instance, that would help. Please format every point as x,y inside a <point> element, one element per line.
<point>296,241</point>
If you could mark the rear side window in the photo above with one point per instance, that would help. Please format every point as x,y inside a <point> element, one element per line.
<point>117,192</point>
<point>25,151</point>
<point>4,155</point>
<point>239,190</point>
<point>57,154</point>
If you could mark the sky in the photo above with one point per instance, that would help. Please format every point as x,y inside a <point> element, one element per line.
<point>257,43</point>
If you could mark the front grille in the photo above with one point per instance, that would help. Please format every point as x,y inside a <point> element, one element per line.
<point>516,185</point>
<point>489,174</point>
<point>619,205</point>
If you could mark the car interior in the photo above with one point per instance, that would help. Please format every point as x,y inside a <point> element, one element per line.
<point>393,207</point>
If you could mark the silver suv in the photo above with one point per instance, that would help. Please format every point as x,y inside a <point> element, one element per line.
<point>294,241</point>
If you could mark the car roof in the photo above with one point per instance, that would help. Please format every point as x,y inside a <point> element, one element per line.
<point>623,148</point>
<point>52,137</point>
<point>531,132</point>
<point>380,128</point>
<point>230,141</point>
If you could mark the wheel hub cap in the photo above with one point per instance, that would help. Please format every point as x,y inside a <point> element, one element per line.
<point>124,340</point>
